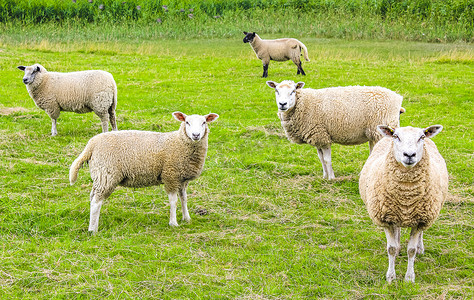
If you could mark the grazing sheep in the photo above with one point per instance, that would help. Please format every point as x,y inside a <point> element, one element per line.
<point>404,183</point>
<point>342,115</point>
<point>277,50</point>
<point>79,92</point>
<point>143,158</point>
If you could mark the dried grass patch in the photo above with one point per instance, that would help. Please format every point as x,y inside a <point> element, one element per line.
<point>6,111</point>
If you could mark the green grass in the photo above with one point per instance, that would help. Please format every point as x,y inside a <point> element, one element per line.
<point>274,229</point>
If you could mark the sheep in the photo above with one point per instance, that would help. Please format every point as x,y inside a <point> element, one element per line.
<point>404,183</point>
<point>79,92</point>
<point>133,158</point>
<point>277,50</point>
<point>342,115</point>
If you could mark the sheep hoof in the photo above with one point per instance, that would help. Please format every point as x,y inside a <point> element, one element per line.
<point>174,224</point>
<point>391,276</point>
<point>410,277</point>
<point>420,250</point>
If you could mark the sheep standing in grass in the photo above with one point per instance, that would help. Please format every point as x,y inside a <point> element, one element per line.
<point>404,183</point>
<point>79,92</point>
<point>142,158</point>
<point>342,115</point>
<point>277,50</point>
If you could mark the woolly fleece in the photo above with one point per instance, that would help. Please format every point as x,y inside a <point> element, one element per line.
<point>396,195</point>
<point>142,158</point>
<point>342,115</point>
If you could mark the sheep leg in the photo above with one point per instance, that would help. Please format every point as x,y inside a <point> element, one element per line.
<point>420,249</point>
<point>104,120</point>
<point>321,158</point>
<point>397,238</point>
<point>54,130</point>
<point>184,203</point>
<point>300,69</point>
<point>413,243</point>
<point>298,65</point>
<point>113,121</point>
<point>265,70</point>
<point>173,198</point>
<point>54,115</point>
<point>327,162</point>
<point>392,234</point>
<point>371,146</point>
<point>96,204</point>
<point>297,62</point>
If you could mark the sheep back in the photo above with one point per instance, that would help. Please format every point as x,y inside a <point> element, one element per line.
<point>140,158</point>
<point>283,49</point>
<point>395,195</point>
<point>277,50</point>
<point>343,115</point>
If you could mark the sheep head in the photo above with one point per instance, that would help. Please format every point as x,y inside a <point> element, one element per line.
<point>195,125</point>
<point>31,72</point>
<point>285,93</point>
<point>249,36</point>
<point>408,142</point>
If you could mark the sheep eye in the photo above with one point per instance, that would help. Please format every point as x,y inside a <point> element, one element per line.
<point>396,137</point>
<point>422,137</point>
<point>187,123</point>
<point>203,123</point>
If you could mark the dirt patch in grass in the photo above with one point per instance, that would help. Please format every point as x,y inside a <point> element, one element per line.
<point>268,130</point>
<point>6,111</point>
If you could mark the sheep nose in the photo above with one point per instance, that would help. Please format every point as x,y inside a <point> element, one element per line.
<point>283,104</point>
<point>196,136</point>
<point>409,155</point>
<point>25,80</point>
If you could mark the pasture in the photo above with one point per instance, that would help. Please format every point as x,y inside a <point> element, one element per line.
<point>265,225</point>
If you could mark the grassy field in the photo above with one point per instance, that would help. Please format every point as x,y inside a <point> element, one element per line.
<point>265,225</point>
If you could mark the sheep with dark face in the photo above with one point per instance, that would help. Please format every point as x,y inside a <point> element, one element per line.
<point>404,183</point>
<point>79,92</point>
<point>277,50</point>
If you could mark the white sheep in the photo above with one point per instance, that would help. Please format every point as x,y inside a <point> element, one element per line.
<point>79,92</point>
<point>134,158</point>
<point>404,183</point>
<point>277,50</point>
<point>342,115</point>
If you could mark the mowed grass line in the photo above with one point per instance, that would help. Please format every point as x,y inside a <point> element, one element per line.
<point>265,225</point>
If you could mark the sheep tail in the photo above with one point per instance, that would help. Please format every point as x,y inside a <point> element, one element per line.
<point>305,51</point>
<point>85,156</point>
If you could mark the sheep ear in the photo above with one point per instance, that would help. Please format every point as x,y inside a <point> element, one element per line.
<point>179,116</point>
<point>272,84</point>
<point>21,68</point>
<point>211,117</point>
<point>385,130</point>
<point>300,85</point>
<point>38,69</point>
<point>245,32</point>
<point>432,130</point>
